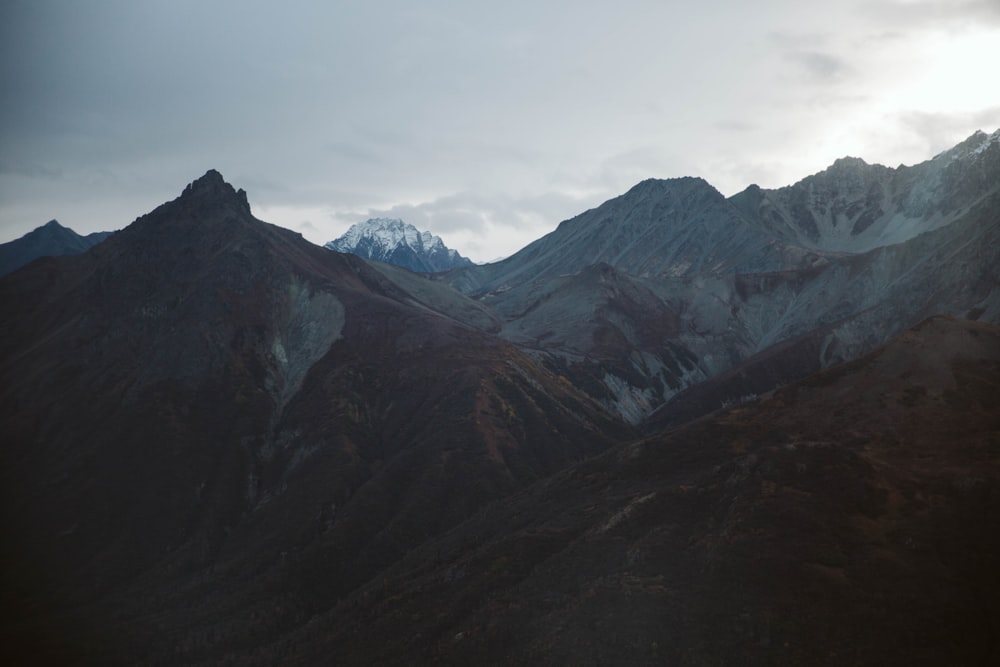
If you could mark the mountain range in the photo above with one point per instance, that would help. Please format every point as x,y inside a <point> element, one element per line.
<point>680,429</point>
<point>680,284</point>
<point>393,241</point>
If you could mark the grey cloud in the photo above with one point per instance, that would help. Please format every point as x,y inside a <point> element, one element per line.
<point>732,125</point>
<point>938,131</point>
<point>819,67</point>
<point>468,212</point>
<point>307,228</point>
<point>542,110</point>
<point>483,227</point>
<point>354,151</point>
<point>32,170</point>
<point>798,41</point>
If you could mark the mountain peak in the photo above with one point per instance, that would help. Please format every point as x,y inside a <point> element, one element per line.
<point>974,144</point>
<point>687,188</point>
<point>213,186</point>
<point>849,161</point>
<point>48,240</point>
<point>678,183</point>
<point>396,242</point>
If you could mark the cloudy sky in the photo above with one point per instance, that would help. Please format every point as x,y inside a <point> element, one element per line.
<point>487,123</point>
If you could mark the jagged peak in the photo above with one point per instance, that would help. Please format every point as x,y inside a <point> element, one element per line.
<point>213,185</point>
<point>384,236</point>
<point>975,144</point>
<point>52,228</point>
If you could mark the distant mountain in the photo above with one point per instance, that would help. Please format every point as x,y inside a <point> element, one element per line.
<point>855,207</point>
<point>671,284</point>
<point>49,240</point>
<point>395,242</point>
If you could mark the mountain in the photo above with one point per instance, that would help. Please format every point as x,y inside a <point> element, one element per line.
<point>204,395</point>
<point>854,207</point>
<point>49,240</point>
<point>843,520</point>
<point>842,260</point>
<point>394,242</point>
<point>658,229</point>
<point>682,428</point>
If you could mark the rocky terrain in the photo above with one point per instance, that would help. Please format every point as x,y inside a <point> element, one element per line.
<point>842,520</point>
<point>844,259</point>
<point>680,429</point>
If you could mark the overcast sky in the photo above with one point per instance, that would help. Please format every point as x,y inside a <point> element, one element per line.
<point>487,123</point>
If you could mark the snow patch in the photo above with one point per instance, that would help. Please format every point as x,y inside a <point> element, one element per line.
<point>388,233</point>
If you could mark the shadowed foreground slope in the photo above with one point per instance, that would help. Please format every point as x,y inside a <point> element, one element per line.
<point>846,519</point>
<point>214,430</point>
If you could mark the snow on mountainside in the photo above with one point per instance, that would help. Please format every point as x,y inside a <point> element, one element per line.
<point>854,207</point>
<point>395,242</point>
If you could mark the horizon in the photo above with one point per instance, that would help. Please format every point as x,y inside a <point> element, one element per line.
<point>496,258</point>
<point>485,125</point>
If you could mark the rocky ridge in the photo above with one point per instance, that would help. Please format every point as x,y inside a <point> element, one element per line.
<point>847,258</point>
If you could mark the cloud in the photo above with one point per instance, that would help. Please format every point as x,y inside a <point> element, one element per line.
<point>484,227</point>
<point>934,132</point>
<point>735,125</point>
<point>818,67</point>
<point>469,120</point>
<point>814,55</point>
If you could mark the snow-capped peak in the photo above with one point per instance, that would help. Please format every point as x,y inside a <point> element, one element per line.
<point>387,232</point>
<point>988,140</point>
<point>976,144</point>
<point>393,241</point>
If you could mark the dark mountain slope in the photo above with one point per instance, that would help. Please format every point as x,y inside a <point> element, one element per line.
<point>49,240</point>
<point>843,520</point>
<point>205,396</point>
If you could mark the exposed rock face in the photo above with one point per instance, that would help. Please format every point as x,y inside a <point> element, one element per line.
<point>394,242</point>
<point>846,258</point>
<point>49,240</point>
<point>855,207</point>
<point>658,229</point>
